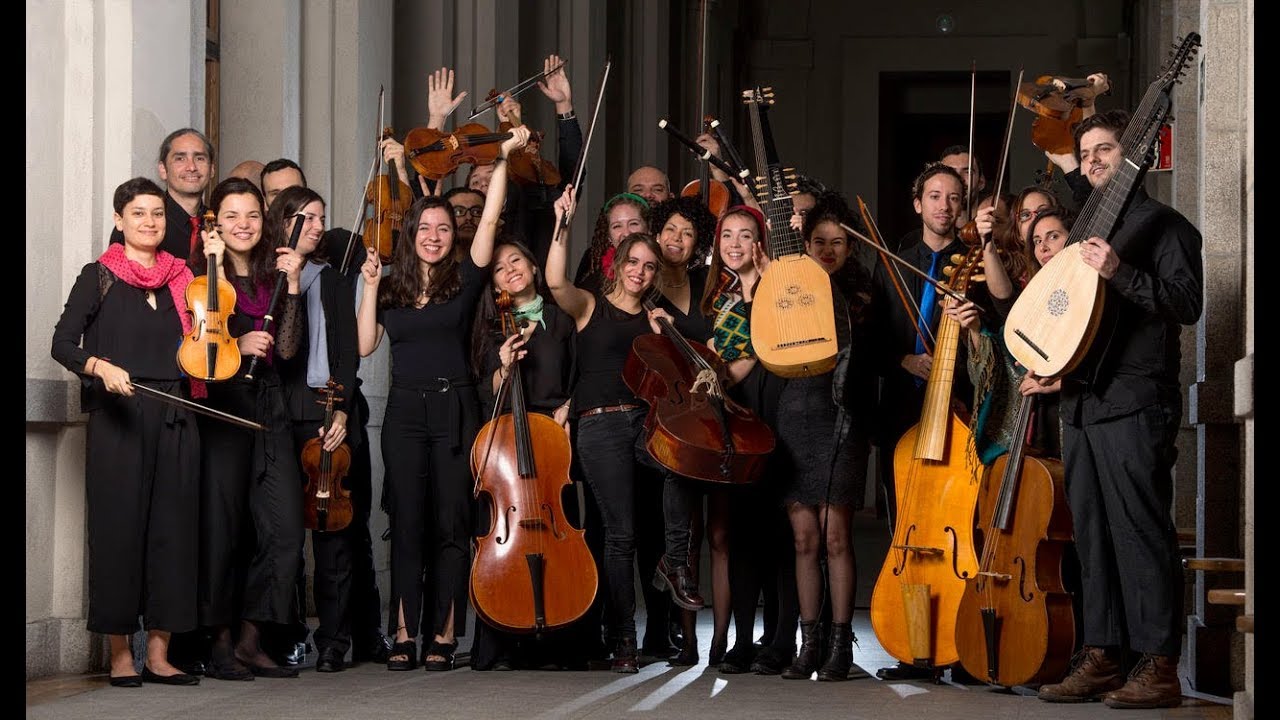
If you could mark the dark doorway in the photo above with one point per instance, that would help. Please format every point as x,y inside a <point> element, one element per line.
<point>922,113</point>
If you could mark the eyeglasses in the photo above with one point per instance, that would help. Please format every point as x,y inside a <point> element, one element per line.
<point>460,211</point>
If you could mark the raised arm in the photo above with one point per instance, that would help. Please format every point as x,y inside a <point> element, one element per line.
<point>571,299</point>
<point>494,199</point>
<point>368,331</point>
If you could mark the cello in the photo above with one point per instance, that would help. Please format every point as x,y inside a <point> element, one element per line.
<point>532,570</point>
<point>1015,625</point>
<point>326,503</point>
<point>210,353</point>
<point>918,590</point>
<point>693,428</point>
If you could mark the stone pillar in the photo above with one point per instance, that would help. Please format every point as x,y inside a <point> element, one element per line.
<point>261,91</point>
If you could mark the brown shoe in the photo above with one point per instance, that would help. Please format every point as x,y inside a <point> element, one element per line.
<point>679,581</point>
<point>1094,673</point>
<point>1152,684</point>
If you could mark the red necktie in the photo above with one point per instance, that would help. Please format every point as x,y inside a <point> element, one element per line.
<point>195,235</point>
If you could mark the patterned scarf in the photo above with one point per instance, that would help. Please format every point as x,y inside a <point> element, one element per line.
<point>531,310</point>
<point>168,271</point>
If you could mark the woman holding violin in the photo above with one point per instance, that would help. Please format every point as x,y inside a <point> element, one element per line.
<point>142,458</point>
<point>544,348</point>
<point>327,351</point>
<point>249,479</point>
<point>425,306</point>
<point>611,418</point>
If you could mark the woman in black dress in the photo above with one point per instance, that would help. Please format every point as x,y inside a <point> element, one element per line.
<point>142,457</point>
<point>611,418</point>
<point>251,496</point>
<point>425,306</point>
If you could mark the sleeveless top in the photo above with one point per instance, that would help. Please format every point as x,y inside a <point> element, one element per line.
<point>603,347</point>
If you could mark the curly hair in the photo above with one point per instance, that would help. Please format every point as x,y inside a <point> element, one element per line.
<point>1114,120</point>
<point>930,170</point>
<point>404,285</point>
<point>600,236</point>
<point>1010,244</point>
<point>696,212</point>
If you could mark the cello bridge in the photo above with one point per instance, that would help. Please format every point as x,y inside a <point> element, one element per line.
<point>706,382</point>
<point>532,524</point>
<point>324,494</point>
<point>1004,577</point>
<point>922,549</point>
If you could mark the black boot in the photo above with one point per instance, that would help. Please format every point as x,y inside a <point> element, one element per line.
<point>807,657</point>
<point>840,656</point>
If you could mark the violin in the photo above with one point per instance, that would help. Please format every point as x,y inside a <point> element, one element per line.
<point>210,353</point>
<point>1058,103</point>
<point>693,428</point>
<point>435,153</point>
<point>326,503</point>
<point>532,571</point>
<point>716,195</point>
<point>390,198</point>
<point>526,164</point>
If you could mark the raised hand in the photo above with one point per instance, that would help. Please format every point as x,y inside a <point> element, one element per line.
<point>440,100</point>
<point>556,85</point>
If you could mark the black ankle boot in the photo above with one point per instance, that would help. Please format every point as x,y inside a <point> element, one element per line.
<point>807,657</point>
<point>840,656</point>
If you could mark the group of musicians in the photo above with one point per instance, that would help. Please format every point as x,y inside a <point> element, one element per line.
<point>196,524</point>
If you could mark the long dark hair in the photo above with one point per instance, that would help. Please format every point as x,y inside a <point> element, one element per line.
<point>620,260</point>
<point>486,329</point>
<point>1029,248</point>
<point>717,265</point>
<point>289,202</point>
<point>852,279</point>
<point>262,257</point>
<point>403,286</point>
<point>600,236</point>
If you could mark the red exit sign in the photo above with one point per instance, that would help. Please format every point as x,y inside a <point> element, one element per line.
<point>1164,150</point>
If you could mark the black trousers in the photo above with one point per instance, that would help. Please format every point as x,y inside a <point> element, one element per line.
<point>250,508</point>
<point>426,448</point>
<point>142,492</point>
<point>1120,489</point>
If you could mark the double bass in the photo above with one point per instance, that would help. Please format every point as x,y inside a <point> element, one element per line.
<point>1015,625</point>
<point>326,503</point>
<point>918,591</point>
<point>693,428</point>
<point>532,571</point>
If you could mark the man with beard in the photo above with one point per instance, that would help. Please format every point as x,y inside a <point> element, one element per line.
<point>650,183</point>
<point>467,206</point>
<point>185,164</point>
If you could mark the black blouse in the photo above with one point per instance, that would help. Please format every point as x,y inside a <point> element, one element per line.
<point>695,326</point>
<point>432,341</point>
<point>343,355</point>
<point>603,347</point>
<point>547,371</point>
<point>120,327</point>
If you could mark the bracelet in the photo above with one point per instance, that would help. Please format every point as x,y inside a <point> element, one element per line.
<point>93,365</point>
<point>499,160</point>
<point>566,116</point>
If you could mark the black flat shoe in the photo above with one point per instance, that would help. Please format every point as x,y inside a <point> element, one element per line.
<point>904,671</point>
<point>738,660</point>
<point>177,679</point>
<point>127,681</point>
<point>687,657</point>
<point>268,671</point>
<point>227,671</point>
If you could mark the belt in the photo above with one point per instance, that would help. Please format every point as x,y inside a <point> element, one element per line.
<point>434,385</point>
<point>608,409</point>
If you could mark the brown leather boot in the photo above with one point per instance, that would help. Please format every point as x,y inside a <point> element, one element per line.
<point>1094,673</point>
<point>1152,684</point>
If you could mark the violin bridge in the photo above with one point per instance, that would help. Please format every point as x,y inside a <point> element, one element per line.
<point>322,495</point>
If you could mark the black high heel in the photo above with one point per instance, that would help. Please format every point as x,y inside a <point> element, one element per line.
<point>444,650</point>
<point>409,649</point>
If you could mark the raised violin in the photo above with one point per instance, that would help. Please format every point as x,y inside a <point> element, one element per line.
<point>532,570</point>
<point>1015,624</point>
<point>693,428</point>
<point>526,164</point>
<point>326,503</point>
<point>390,198</point>
<point>1058,103</point>
<point>918,591</point>
<point>210,353</point>
<point>435,153</point>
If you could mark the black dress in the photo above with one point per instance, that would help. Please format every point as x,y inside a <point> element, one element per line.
<point>141,460</point>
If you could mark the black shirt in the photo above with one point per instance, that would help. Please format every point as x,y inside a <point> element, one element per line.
<point>432,341</point>
<point>342,347</point>
<point>695,326</point>
<point>1159,286</point>
<point>603,347</point>
<point>177,228</point>
<point>120,327</point>
<point>547,371</point>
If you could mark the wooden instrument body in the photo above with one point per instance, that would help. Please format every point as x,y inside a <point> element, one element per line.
<point>683,430</point>
<point>435,153</point>
<point>326,503</point>
<point>717,195</point>
<point>390,199</point>
<point>1036,629</point>
<point>1051,327</point>
<point>528,519</point>
<point>209,352</point>
<point>793,320</point>
<point>936,500</point>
